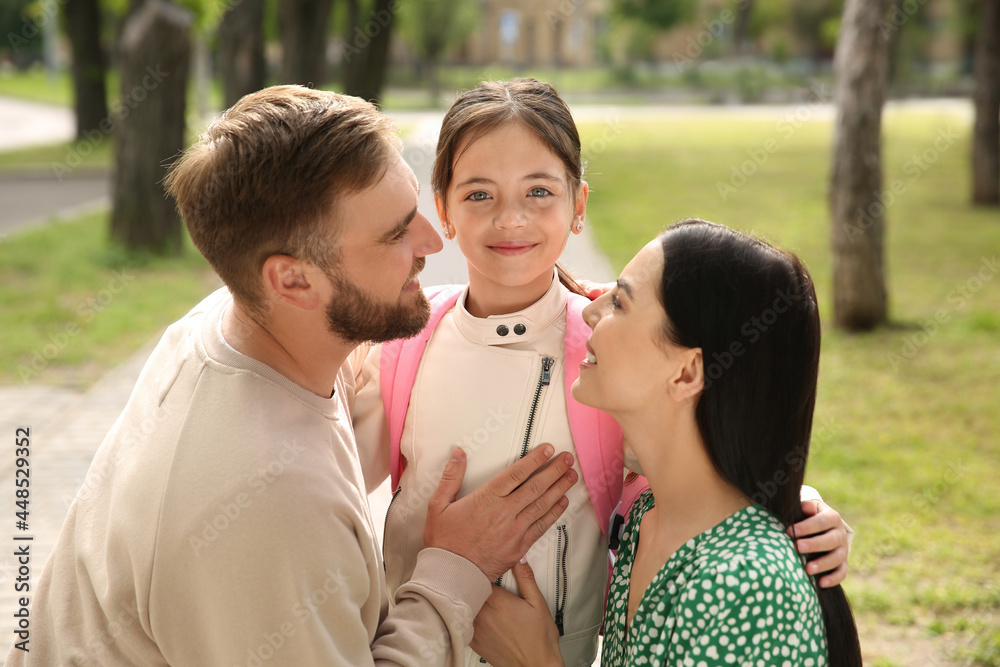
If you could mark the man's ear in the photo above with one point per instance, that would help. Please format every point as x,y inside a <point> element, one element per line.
<point>291,280</point>
<point>443,216</point>
<point>689,379</point>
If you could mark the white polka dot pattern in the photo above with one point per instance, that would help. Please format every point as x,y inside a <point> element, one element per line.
<point>735,595</point>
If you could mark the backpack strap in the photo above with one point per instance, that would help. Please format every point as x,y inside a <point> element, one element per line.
<point>398,365</point>
<point>597,436</point>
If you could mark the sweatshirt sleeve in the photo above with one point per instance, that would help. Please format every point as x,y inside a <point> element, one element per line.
<point>454,590</point>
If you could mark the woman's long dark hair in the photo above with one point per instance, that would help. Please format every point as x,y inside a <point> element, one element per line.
<point>751,308</point>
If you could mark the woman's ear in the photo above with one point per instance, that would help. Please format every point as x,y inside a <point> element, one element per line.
<point>292,281</point>
<point>689,379</point>
<point>443,217</point>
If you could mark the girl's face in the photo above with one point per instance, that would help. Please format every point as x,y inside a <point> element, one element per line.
<point>511,207</point>
<point>630,366</point>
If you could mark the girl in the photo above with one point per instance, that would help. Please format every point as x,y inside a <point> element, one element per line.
<point>491,371</point>
<point>706,574</point>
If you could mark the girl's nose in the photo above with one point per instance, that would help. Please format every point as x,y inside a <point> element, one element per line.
<point>510,217</point>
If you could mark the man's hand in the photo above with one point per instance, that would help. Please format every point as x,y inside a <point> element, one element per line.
<point>517,631</point>
<point>494,526</point>
<point>822,531</point>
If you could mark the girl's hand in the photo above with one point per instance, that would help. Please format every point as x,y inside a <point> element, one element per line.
<point>517,631</point>
<point>823,531</point>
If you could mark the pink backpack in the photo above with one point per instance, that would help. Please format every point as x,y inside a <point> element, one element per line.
<point>597,436</point>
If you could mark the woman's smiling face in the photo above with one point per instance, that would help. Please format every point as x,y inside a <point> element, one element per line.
<point>511,206</point>
<point>629,360</point>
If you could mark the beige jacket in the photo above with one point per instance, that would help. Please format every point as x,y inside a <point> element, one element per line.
<point>477,389</point>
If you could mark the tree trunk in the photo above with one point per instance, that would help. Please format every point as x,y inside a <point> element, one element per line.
<point>83,20</point>
<point>986,135</point>
<point>857,203</point>
<point>302,26</point>
<point>740,33</point>
<point>366,53</point>
<point>241,50</point>
<point>155,54</point>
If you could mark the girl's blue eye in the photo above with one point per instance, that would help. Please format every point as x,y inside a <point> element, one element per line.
<point>538,192</point>
<point>479,196</point>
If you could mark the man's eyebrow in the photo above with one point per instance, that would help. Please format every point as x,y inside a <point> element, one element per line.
<point>625,287</point>
<point>398,228</point>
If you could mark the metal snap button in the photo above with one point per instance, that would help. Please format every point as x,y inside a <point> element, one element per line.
<point>519,329</point>
<point>502,330</point>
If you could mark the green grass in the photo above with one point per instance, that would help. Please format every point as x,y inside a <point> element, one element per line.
<point>75,305</point>
<point>909,451</point>
<point>83,154</point>
<point>36,85</point>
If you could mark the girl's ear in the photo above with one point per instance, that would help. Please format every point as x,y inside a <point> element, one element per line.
<point>443,216</point>
<point>581,207</point>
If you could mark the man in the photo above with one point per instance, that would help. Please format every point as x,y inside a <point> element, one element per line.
<point>224,520</point>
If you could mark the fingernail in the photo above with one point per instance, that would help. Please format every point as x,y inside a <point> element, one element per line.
<point>812,568</point>
<point>563,502</point>
<point>548,450</point>
<point>572,476</point>
<point>456,455</point>
<point>569,459</point>
<point>524,559</point>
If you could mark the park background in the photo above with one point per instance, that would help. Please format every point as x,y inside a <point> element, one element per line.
<point>753,113</point>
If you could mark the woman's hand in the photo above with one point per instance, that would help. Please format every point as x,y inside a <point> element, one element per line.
<point>823,531</point>
<point>595,290</point>
<point>517,631</point>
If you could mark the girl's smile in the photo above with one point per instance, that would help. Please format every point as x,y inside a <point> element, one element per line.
<point>510,206</point>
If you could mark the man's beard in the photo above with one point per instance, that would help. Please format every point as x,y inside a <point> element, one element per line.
<point>356,317</point>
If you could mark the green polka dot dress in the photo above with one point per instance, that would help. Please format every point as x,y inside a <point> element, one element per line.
<point>735,595</point>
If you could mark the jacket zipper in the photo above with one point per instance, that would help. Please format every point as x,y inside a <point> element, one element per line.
<point>562,580</point>
<point>395,494</point>
<point>543,381</point>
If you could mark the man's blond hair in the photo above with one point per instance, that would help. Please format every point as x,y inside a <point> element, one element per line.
<point>265,179</point>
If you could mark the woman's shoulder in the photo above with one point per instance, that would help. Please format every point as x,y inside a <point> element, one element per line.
<point>750,551</point>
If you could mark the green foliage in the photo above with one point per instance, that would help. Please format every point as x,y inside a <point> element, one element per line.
<point>657,13</point>
<point>74,306</point>
<point>905,438</point>
<point>433,27</point>
<point>19,26</point>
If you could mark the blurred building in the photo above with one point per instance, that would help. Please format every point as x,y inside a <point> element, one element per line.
<point>536,33</point>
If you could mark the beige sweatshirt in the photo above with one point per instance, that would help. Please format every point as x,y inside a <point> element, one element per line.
<point>224,521</point>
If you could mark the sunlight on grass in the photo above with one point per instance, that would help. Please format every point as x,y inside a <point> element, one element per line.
<point>908,414</point>
<point>75,306</point>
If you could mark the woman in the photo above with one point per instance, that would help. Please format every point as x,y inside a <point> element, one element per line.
<point>707,353</point>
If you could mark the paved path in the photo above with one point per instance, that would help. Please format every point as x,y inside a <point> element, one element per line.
<point>24,124</point>
<point>37,197</point>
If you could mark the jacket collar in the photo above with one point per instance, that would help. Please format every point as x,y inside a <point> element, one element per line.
<point>520,327</point>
